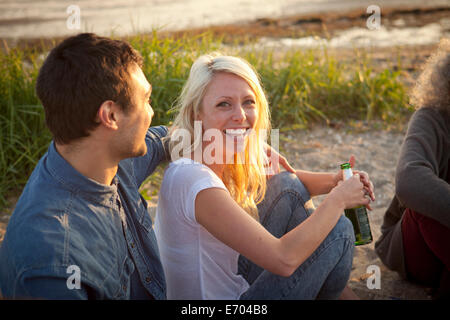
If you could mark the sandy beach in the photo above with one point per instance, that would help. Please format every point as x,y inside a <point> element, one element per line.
<point>324,148</point>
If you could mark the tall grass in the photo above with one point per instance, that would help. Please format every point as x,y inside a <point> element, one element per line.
<point>305,87</point>
<point>302,88</point>
<point>23,135</point>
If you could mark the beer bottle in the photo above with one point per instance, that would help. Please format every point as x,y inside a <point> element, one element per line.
<point>358,215</point>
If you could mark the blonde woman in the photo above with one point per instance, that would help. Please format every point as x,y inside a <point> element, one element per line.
<point>226,232</point>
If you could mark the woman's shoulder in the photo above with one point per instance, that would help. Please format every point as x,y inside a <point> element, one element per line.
<point>186,165</point>
<point>183,180</point>
<point>430,122</point>
<point>190,171</point>
<point>429,114</point>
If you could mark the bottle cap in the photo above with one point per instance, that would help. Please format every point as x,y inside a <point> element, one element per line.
<point>345,165</point>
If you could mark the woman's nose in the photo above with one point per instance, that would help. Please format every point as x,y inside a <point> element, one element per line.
<point>239,113</point>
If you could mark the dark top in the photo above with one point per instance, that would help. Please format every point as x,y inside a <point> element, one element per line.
<point>422,182</point>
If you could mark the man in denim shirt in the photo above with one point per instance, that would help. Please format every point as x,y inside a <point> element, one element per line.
<point>80,229</point>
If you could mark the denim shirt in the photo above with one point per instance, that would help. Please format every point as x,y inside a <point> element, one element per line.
<point>70,237</point>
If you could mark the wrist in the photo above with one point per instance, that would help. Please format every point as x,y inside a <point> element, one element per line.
<point>332,182</point>
<point>336,178</point>
<point>336,200</point>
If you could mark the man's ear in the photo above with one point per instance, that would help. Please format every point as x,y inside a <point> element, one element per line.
<point>108,114</point>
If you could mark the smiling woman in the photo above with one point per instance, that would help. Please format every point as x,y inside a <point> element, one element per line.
<point>222,226</point>
<point>225,94</point>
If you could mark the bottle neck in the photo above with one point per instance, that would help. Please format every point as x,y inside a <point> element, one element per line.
<point>347,173</point>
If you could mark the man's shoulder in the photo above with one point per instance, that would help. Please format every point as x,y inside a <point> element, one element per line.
<point>48,217</point>
<point>35,237</point>
<point>42,193</point>
<point>37,224</point>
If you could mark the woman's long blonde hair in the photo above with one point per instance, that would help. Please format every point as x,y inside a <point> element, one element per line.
<point>246,177</point>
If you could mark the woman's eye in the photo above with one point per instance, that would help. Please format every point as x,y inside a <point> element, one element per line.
<point>250,102</point>
<point>149,100</point>
<point>223,104</point>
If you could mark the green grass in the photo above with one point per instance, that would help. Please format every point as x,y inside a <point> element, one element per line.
<point>303,87</point>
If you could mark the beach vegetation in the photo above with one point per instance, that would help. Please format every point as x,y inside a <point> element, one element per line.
<point>304,87</point>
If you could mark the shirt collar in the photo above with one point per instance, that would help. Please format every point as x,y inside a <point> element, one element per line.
<point>73,180</point>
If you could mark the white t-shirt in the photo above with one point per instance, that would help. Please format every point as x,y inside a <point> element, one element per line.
<point>196,265</point>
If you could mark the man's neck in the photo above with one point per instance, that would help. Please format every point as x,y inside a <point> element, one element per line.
<point>90,160</point>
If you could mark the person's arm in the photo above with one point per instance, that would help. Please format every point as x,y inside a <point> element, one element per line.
<point>216,211</point>
<point>48,284</point>
<point>319,183</point>
<point>417,182</point>
<point>156,153</point>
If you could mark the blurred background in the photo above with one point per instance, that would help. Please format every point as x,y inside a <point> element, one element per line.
<point>47,18</point>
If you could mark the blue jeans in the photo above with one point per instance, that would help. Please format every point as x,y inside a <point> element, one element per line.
<point>324,274</point>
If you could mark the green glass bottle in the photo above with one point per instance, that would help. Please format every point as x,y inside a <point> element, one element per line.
<point>358,216</point>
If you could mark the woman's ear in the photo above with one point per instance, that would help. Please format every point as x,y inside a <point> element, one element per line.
<point>108,115</point>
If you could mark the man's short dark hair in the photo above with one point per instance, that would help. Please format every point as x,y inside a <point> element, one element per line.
<point>79,75</point>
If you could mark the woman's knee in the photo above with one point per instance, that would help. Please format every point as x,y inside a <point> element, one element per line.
<point>343,229</point>
<point>286,203</point>
<point>343,232</point>
<point>343,237</point>
<point>286,181</point>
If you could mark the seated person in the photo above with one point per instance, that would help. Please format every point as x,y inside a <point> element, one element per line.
<point>416,228</point>
<point>223,231</point>
<point>80,229</point>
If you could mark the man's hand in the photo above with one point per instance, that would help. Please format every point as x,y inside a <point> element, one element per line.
<point>275,160</point>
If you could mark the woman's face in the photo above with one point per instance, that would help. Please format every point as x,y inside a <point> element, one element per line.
<point>228,112</point>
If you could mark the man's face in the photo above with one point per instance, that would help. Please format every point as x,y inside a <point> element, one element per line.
<point>132,130</point>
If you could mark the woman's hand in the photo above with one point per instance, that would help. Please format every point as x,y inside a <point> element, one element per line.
<point>350,193</point>
<point>364,178</point>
